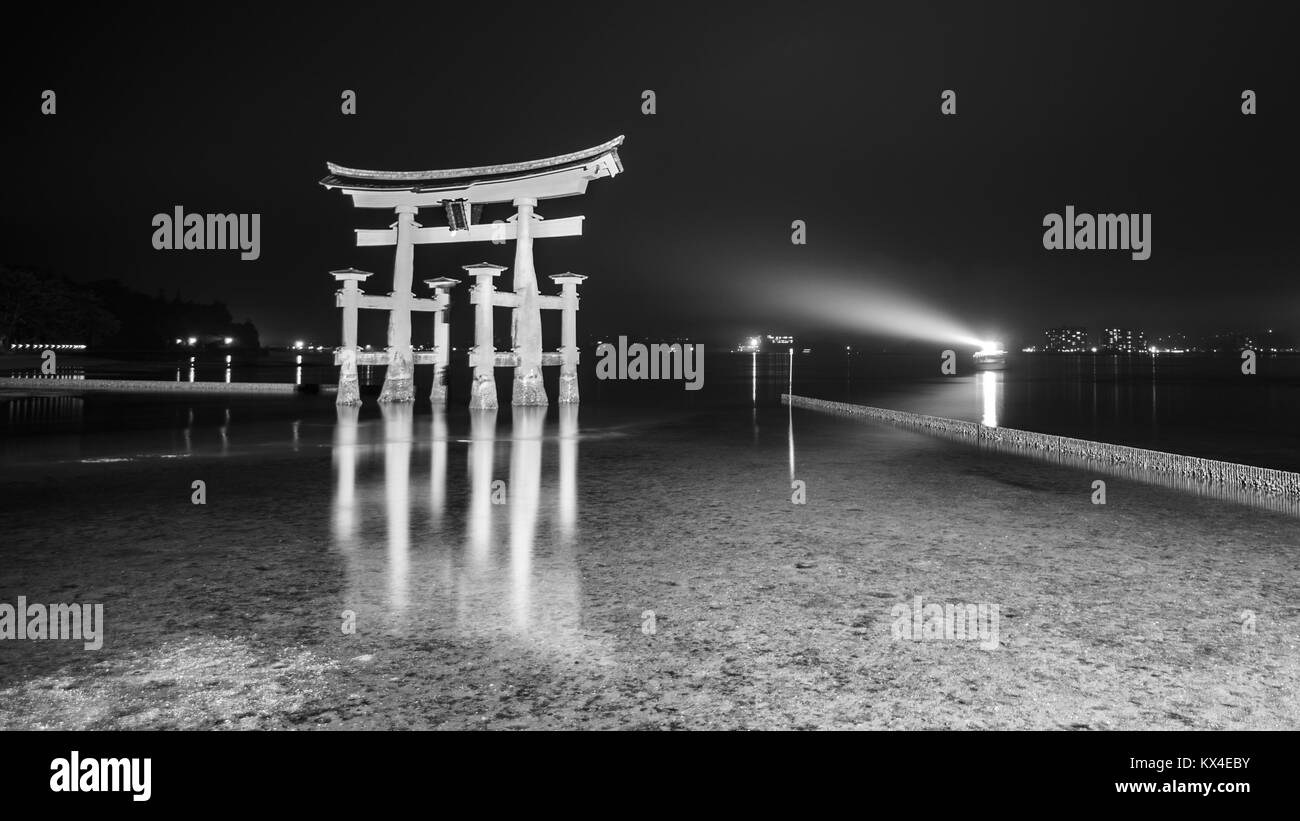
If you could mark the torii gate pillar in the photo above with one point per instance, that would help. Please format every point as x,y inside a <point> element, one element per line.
<point>348,299</point>
<point>526,324</point>
<point>399,380</point>
<point>483,390</point>
<point>441,338</point>
<point>568,336</point>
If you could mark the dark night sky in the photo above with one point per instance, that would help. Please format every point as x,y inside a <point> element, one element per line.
<point>766,113</point>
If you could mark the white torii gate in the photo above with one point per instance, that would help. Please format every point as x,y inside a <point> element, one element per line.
<point>457,192</point>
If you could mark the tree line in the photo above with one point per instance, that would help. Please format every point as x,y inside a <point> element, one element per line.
<point>39,306</point>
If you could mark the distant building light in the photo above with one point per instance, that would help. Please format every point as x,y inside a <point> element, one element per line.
<point>230,340</point>
<point>192,340</point>
<point>298,344</point>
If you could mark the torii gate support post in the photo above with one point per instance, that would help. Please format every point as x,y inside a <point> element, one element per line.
<point>483,390</point>
<point>399,381</point>
<point>349,392</point>
<point>527,325</point>
<point>441,337</point>
<point>568,336</point>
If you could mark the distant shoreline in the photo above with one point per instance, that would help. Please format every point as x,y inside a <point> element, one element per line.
<point>64,385</point>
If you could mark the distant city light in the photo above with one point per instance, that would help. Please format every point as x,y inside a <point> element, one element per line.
<point>229,340</point>
<point>1066,340</point>
<point>298,344</point>
<point>192,340</point>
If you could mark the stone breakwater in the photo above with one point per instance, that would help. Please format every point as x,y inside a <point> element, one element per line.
<point>141,385</point>
<point>1189,472</point>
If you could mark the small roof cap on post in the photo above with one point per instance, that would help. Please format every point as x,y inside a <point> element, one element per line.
<point>568,277</point>
<point>351,274</point>
<point>484,268</point>
<point>442,283</point>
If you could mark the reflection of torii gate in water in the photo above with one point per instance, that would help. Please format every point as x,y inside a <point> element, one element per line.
<point>460,193</point>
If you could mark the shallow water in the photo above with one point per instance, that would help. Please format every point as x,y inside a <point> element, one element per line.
<point>1197,405</point>
<point>500,569</point>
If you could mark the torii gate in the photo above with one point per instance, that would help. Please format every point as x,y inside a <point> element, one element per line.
<point>461,193</point>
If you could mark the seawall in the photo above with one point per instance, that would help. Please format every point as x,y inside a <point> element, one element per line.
<point>1188,472</point>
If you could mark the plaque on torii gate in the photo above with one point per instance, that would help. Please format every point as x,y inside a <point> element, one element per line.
<point>459,193</point>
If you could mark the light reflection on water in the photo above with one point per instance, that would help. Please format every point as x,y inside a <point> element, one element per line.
<point>990,383</point>
<point>398,428</point>
<point>24,410</point>
<point>790,424</point>
<point>493,554</point>
<point>483,442</point>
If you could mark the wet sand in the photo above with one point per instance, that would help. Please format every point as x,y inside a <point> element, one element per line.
<point>529,614</point>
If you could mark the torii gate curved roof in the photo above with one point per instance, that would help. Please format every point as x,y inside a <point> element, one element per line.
<point>560,176</point>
